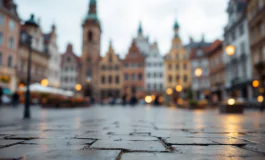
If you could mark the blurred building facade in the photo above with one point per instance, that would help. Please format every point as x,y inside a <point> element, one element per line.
<point>238,72</point>
<point>9,43</point>
<point>154,71</point>
<point>54,67</point>
<point>91,51</point>
<point>217,70</point>
<point>111,81</point>
<point>199,61</point>
<point>142,42</point>
<point>177,64</point>
<point>70,69</point>
<point>39,62</point>
<point>256,24</point>
<point>134,71</point>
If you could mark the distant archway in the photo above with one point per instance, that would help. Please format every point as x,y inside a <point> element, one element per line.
<point>90,36</point>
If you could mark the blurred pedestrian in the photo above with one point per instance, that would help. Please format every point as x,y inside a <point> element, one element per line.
<point>133,100</point>
<point>156,101</point>
<point>124,98</point>
<point>1,95</point>
<point>15,99</point>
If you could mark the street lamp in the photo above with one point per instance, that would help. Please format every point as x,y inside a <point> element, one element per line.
<point>44,82</point>
<point>260,99</point>
<point>179,88</point>
<point>230,50</point>
<point>198,72</point>
<point>169,91</point>
<point>27,95</point>
<point>78,87</point>
<point>255,83</point>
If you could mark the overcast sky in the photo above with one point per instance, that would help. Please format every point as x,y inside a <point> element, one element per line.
<point>120,20</point>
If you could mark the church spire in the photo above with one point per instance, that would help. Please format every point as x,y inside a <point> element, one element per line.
<point>140,28</point>
<point>92,7</point>
<point>176,28</point>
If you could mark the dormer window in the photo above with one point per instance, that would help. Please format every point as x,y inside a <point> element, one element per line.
<point>199,53</point>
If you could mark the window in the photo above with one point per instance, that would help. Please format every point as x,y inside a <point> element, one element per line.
<point>133,55</point>
<point>242,47</point>
<point>1,38</point>
<point>12,25</point>
<point>149,75</point>
<point>177,78</point>
<point>2,19</point>
<point>185,66</point>
<point>177,67</point>
<point>133,65</point>
<point>185,78</point>
<point>90,36</point>
<point>68,59</point>
<point>161,75</point>
<point>177,56</point>
<point>117,67</point>
<point>241,29</point>
<point>199,53</point>
<point>148,86</point>
<point>260,4</point>
<point>233,36</point>
<point>117,79</point>
<point>140,76</point>
<point>11,42</point>
<point>262,32</point>
<point>126,65</point>
<point>169,57</point>
<point>169,78</point>
<point>169,66</point>
<point>133,77</point>
<point>154,75</point>
<point>126,77</point>
<point>1,58</point>
<point>140,65</point>
<point>155,87</point>
<point>161,86</point>
<point>66,79</point>
<point>110,79</point>
<point>9,61</point>
<point>102,79</point>
<point>103,67</point>
<point>89,73</point>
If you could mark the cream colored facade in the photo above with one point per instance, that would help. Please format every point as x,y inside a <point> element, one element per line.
<point>110,74</point>
<point>177,64</point>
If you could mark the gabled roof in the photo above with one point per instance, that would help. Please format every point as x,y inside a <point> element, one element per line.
<point>69,51</point>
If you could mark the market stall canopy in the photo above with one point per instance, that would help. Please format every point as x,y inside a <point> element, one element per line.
<point>36,87</point>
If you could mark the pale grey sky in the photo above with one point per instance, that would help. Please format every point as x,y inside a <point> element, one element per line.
<point>120,19</point>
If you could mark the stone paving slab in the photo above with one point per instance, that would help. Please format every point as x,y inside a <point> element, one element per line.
<point>178,140</point>
<point>78,155</point>
<point>23,150</point>
<point>4,142</point>
<point>154,146</point>
<point>229,141</point>
<point>176,156</point>
<point>60,141</point>
<point>215,150</point>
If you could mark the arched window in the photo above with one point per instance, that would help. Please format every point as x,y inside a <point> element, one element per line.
<point>90,36</point>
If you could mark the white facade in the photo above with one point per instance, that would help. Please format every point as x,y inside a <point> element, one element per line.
<point>154,71</point>
<point>54,67</point>
<point>142,42</point>
<point>69,70</point>
<point>238,73</point>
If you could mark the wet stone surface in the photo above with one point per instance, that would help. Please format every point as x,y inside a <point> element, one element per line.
<point>126,133</point>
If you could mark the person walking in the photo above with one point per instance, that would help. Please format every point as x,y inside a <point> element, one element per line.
<point>15,99</point>
<point>124,97</point>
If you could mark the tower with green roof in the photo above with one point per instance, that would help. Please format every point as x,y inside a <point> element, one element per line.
<point>90,51</point>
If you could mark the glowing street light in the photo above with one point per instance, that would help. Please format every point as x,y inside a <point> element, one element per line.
<point>179,88</point>
<point>231,101</point>
<point>260,99</point>
<point>44,82</point>
<point>230,50</point>
<point>255,83</point>
<point>169,91</point>
<point>198,72</point>
<point>78,87</point>
<point>148,99</point>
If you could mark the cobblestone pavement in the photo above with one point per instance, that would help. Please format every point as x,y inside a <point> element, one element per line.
<point>126,133</point>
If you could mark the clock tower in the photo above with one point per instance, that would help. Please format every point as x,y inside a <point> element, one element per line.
<point>91,51</point>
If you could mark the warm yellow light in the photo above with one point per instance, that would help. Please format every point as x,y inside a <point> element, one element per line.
<point>148,99</point>
<point>180,101</point>
<point>230,50</point>
<point>153,97</point>
<point>255,83</point>
<point>78,87</point>
<point>260,99</point>
<point>44,82</point>
<point>21,85</point>
<point>198,72</point>
<point>231,101</point>
<point>179,88</point>
<point>169,91</point>
<point>161,100</point>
